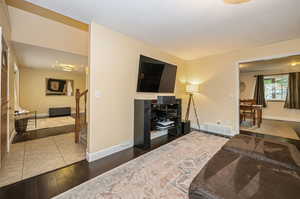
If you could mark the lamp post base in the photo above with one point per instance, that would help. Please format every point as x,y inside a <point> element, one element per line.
<point>185,127</point>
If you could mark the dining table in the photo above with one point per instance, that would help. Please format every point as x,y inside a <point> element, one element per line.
<point>257,109</point>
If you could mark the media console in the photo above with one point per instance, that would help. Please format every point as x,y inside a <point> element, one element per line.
<point>155,115</point>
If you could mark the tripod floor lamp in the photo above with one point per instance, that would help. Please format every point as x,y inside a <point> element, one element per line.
<point>191,89</point>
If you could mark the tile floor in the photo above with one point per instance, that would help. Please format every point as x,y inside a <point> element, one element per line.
<point>278,128</point>
<point>31,158</point>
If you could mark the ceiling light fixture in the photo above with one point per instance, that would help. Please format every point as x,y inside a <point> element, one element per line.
<point>295,63</point>
<point>66,69</point>
<point>67,65</point>
<point>236,1</point>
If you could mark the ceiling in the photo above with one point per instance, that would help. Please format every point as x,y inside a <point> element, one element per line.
<point>45,58</point>
<point>190,29</point>
<point>286,64</point>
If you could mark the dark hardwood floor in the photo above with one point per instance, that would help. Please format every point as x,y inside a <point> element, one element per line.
<point>58,181</point>
<point>281,139</point>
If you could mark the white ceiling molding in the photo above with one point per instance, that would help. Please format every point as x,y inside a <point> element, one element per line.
<point>190,29</point>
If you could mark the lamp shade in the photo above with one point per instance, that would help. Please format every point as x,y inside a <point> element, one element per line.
<point>192,88</point>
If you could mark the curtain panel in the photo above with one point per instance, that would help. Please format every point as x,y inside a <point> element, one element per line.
<point>259,94</point>
<point>293,95</point>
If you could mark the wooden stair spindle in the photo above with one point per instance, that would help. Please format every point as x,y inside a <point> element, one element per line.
<point>80,123</point>
<point>77,116</point>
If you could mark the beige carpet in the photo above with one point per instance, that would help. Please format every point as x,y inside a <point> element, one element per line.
<point>163,173</point>
<point>278,128</point>
<point>50,122</point>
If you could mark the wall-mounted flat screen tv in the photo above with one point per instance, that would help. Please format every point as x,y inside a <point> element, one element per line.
<point>156,76</point>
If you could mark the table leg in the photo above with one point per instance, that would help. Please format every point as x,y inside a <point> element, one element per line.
<point>259,117</point>
<point>254,118</point>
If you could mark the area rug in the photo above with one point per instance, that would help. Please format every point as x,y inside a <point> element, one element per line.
<point>50,122</point>
<point>162,173</point>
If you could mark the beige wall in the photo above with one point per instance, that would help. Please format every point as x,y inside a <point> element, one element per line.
<point>218,75</point>
<point>35,30</point>
<point>33,88</point>
<point>274,109</point>
<point>6,28</point>
<point>114,60</point>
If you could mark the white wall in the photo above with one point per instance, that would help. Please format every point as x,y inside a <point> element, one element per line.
<point>274,109</point>
<point>114,61</point>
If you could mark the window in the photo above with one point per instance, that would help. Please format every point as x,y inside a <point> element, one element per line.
<point>276,87</point>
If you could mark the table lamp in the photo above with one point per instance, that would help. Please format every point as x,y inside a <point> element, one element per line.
<point>191,89</point>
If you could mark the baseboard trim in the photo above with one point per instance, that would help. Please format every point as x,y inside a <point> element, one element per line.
<point>212,133</point>
<point>281,119</point>
<point>90,157</point>
<point>39,115</point>
<point>214,129</point>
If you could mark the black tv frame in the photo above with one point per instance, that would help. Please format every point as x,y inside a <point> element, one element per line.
<point>145,58</point>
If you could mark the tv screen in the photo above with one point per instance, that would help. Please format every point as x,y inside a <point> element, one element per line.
<point>156,76</point>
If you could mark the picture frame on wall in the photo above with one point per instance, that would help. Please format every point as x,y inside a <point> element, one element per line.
<point>59,87</point>
<point>4,54</point>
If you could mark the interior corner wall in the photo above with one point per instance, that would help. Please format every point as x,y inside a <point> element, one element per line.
<point>114,61</point>
<point>218,101</point>
<point>33,89</point>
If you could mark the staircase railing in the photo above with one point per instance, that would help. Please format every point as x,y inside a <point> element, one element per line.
<point>80,122</point>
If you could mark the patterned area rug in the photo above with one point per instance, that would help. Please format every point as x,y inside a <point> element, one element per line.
<point>162,173</point>
<point>43,123</point>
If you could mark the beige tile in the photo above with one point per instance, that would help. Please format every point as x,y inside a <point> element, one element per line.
<point>41,156</point>
<point>72,158</point>
<point>70,151</point>
<point>10,177</point>
<point>38,167</point>
<point>38,163</point>
<point>12,165</point>
<point>31,158</point>
<point>17,147</point>
<point>10,172</point>
<point>41,146</point>
<point>65,138</point>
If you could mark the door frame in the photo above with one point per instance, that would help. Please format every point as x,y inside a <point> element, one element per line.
<point>0,95</point>
<point>278,56</point>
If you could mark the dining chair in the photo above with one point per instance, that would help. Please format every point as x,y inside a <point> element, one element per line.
<point>247,111</point>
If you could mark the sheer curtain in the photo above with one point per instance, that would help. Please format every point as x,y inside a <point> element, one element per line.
<point>293,95</point>
<point>259,94</point>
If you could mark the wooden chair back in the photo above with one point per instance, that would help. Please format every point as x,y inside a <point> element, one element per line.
<point>248,102</point>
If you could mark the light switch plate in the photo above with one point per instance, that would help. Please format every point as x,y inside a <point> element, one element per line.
<point>97,94</point>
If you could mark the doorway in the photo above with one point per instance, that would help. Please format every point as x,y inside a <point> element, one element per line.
<point>4,98</point>
<point>265,90</point>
